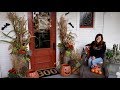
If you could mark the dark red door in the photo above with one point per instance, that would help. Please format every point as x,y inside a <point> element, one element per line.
<point>42,25</point>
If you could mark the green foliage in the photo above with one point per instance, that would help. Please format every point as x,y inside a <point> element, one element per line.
<point>109,54</point>
<point>68,53</point>
<point>61,46</point>
<point>12,75</point>
<point>113,55</point>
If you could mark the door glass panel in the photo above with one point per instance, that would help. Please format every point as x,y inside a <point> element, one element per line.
<point>42,29</point>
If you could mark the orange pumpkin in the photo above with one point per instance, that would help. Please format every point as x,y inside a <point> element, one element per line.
<point>32,74</point>
<point>92,70</point>
<point>100,72</point>
<point>65,70</point>
<point>97,70</point>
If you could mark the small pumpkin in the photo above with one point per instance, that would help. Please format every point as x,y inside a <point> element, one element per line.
<point>100,72</point>
<point>92,70</point>
<point>65,70</point>
<point>32,74</point>
<point>97,70</point>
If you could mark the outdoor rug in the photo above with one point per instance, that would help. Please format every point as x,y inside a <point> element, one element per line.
<point>47,72</point>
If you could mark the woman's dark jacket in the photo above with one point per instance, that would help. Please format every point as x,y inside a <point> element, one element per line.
<point>97,50</point>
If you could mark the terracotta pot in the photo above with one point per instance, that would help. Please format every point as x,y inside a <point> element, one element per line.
<point>32,74</point>
<point>65,70</point>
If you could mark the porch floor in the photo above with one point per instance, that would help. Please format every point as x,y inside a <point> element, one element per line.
<point>59,76</point>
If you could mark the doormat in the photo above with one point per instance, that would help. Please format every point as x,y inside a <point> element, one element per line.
<point>47,72</point>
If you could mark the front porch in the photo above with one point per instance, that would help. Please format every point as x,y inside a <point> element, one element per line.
<point>44,49</point>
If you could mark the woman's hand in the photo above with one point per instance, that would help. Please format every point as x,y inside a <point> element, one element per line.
<point>93,57</point>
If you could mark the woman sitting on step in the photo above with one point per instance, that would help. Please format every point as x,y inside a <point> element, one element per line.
<point>97,50</point>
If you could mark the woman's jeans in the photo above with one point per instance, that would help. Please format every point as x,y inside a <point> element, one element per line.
<point>94,62</point>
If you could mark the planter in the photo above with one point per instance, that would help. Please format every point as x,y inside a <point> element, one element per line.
<point>115,61</point>
<point>65,70</point>
<point>12,73</point>
<point>112,69</point>
<point>66,59</point>
<point>22,67</point>
<point>62,54</point>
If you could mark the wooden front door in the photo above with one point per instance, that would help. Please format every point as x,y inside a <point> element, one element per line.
<point>42,25</point>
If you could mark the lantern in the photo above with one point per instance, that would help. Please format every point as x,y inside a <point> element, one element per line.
<point>65,70</point>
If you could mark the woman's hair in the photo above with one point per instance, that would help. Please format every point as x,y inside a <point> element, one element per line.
<point>98,36</point>
<point>101,42</point>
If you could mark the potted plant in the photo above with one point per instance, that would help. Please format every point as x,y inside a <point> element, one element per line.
<point>66,44</point>
<point>18,44</point>
<point>112,58</point>
<point>75,60</point>
<point>113,55</point>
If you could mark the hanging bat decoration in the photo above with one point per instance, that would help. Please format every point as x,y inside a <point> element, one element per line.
<point>66,13</point>
<point>71,25</point>
<point>5,26</point>
<point>34,12</point>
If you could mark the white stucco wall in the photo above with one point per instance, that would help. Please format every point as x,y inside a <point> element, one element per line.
<point>111,28</point>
